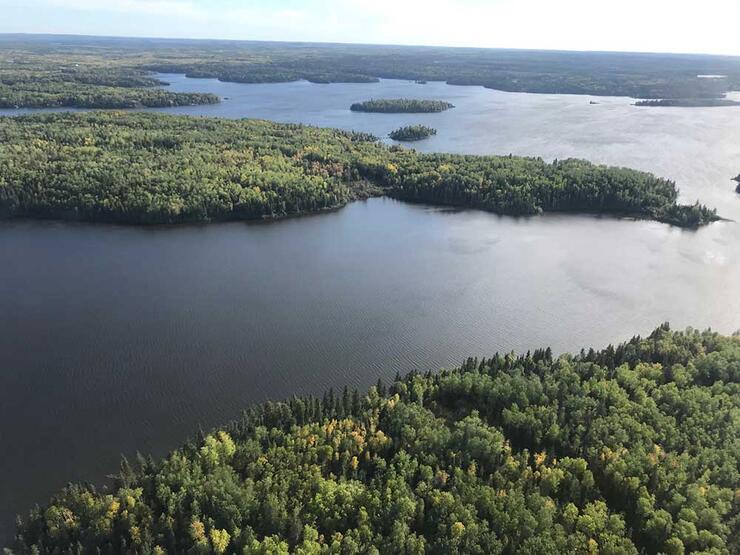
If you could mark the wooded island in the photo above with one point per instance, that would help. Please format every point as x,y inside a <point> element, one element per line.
<point>401,106</point>
<point>412,133</point>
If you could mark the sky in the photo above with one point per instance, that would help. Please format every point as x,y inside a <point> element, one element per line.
<point>691,26</point>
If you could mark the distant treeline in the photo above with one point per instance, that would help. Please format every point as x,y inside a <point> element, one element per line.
<point>62,95</point>
<point>401,105</point>
<point>81,63</point>
<point>52,83</point>
<point>412,133</point>
<point>624,451</point>
<point>154,168</point>
<point>588,73</point>
<point>688,102</point>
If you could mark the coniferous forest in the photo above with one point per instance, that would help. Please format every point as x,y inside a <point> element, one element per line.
<point>632,449</point>
<point>153,168</point>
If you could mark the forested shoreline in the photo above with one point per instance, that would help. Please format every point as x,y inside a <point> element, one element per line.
<point>145,168</point>
<point>626,450</point>
<point>106,72</point>
<point>42,84</point>
<point>62,96</point>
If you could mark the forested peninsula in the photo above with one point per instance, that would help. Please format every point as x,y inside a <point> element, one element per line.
<point>102,85</point>
<point>627,450</point>
<point>152,168</point>
<point>401,105</point>
<point>60,96</point>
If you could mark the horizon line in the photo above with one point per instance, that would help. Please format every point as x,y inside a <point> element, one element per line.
<point>399,45</point>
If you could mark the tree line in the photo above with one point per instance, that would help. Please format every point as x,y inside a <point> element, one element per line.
<point>61,95</point>
<point>88,62</point>
<point>688,102</point>
<point>629,450</point>
<point>49,82</point>
<point>154,168</point>
<point>645,76</point>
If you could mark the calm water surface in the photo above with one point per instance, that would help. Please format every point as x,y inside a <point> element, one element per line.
<point>117,339</point>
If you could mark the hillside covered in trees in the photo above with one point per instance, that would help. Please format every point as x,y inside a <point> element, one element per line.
<point>626,450</point>
<point>154,168</point>
<point>401,105</point>
<point>73,71</point>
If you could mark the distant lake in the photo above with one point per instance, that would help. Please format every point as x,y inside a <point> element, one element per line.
<point>116,339</point>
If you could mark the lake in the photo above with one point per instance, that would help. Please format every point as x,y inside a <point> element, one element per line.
<point>115,339</point>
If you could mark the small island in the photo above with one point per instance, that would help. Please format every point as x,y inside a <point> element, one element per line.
<point>737,179</point>
<point>412,133</point>
<point>401,106</point>
<point>687,103</point>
